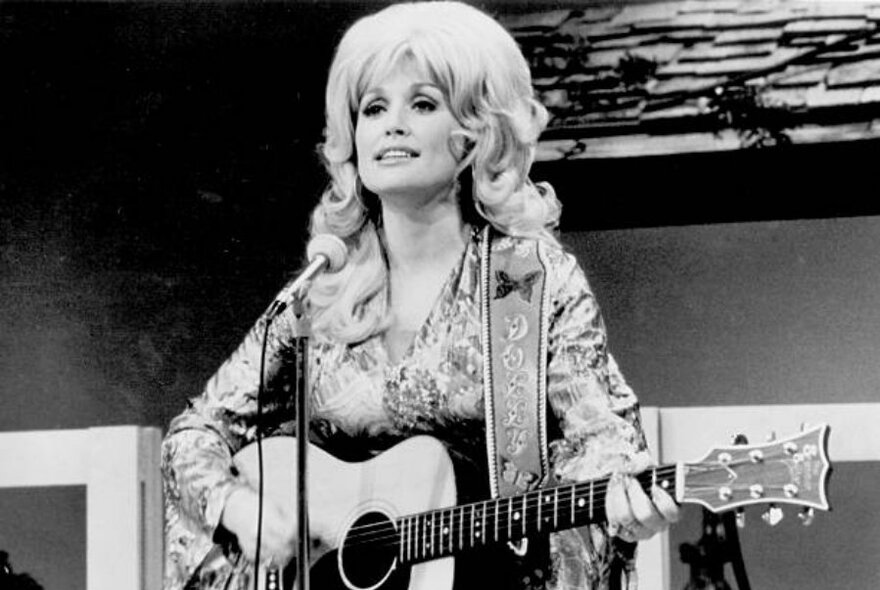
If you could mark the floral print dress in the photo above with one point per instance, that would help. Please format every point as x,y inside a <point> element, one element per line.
<point>363,403</point>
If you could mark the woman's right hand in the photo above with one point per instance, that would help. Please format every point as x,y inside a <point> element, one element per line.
<point>279,526</point>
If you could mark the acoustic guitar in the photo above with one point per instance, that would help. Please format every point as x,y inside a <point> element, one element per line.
<point>394,522</point>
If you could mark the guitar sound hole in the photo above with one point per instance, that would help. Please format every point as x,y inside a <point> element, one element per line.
<point>367,554</point>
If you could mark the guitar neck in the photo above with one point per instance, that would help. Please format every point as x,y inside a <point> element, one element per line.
<point>449,531</point>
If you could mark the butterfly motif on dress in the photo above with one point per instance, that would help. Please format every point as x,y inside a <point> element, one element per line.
<point>523,285</point>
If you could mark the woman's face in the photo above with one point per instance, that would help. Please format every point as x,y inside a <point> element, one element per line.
<point>402,137</point>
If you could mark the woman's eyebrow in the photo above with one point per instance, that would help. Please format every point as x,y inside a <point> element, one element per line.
<point>372,92</point>
<point>426,85</point>
<point>414,87</point>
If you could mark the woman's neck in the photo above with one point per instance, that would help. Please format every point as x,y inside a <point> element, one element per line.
<point>423,237</point>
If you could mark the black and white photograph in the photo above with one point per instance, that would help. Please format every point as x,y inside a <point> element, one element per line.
<point>439,295</point>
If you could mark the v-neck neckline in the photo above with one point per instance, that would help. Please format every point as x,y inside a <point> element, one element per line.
<point>445,294</point>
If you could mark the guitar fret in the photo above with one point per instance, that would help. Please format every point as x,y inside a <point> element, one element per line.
<point>402,539</point>
<point>449,530</point>
<point>483,523</point>
<point>572,504</point>
<point>478,529</point>
<point>440,536</point>
<point>472,525</point>
<point>510,518</point>
<point>555,508</point>
<point>438,541</point>
<point>431,538</point>
<point>497,504</point>
<point>540,501</point>
<point>461,528</point>
<point>419,534</point>
<point>591,500</point>
<point>444,533</point>
<point>524,511</point>
<point>426,535</point>
<point>409,547</point>
<point>424,541</point>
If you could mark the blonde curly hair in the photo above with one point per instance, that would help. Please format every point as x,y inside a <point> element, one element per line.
<point>487,85</point>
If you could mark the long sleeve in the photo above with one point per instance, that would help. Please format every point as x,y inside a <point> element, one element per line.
<point>198,449</point>
<point>598,416</point>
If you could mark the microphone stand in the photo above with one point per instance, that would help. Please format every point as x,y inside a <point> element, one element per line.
<point>300,341</point>
<point>302,332</point>
<point>325,251</point>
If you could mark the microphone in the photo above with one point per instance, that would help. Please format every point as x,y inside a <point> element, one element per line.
<point>325,252</point>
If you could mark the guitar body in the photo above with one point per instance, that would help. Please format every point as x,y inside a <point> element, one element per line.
<point>414,476</point>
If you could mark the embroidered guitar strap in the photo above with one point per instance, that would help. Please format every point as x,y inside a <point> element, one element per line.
<point>515,313</point>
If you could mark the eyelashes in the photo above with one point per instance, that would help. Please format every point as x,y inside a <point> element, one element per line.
<point>371,110</point>
<point>421,105</point>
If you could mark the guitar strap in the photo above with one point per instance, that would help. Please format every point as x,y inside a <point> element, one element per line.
<point>515,316</point>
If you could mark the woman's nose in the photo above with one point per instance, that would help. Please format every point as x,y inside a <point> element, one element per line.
<point>397,123</point>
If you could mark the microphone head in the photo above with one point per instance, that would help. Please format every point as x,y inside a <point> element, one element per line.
<point>330,247</point>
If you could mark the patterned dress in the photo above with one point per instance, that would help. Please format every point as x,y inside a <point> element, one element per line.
<point>362,403</point>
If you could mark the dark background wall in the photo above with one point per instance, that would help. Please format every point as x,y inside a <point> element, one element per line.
<point>157,164</point>
<point>772,312</point>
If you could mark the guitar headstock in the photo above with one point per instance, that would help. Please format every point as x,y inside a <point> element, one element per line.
<point>794,470</point>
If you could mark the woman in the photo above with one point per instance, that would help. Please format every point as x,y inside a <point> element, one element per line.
<point>430,133</point>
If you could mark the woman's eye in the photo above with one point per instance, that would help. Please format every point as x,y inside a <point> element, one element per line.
<point>424,105</point>
<point>372,109</point>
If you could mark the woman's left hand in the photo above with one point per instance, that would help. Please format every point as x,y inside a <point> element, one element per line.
<point>632,514</point>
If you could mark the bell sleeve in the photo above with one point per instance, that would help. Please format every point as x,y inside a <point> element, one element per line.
<point>197,452</point>
<point>599,428</point>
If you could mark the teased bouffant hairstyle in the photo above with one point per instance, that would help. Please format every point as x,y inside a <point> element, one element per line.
<point>487,85</point>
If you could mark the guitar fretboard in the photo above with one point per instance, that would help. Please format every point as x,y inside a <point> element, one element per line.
<point>448,531</point>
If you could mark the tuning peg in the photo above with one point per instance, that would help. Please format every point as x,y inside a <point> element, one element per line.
<point>773,515</point>
<point>806,515</point>
<point>740,439</point>
<point>805,426</point>
<point>771,436</point>
<point>740,518</point>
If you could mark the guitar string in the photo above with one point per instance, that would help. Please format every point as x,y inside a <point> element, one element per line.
<point>372,533</point>
<point>532,501</point>
<point>392,539</point>
<point>385,531</point>
<point>390,536</point>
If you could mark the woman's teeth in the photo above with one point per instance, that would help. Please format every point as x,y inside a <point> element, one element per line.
<point>396,154</point>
